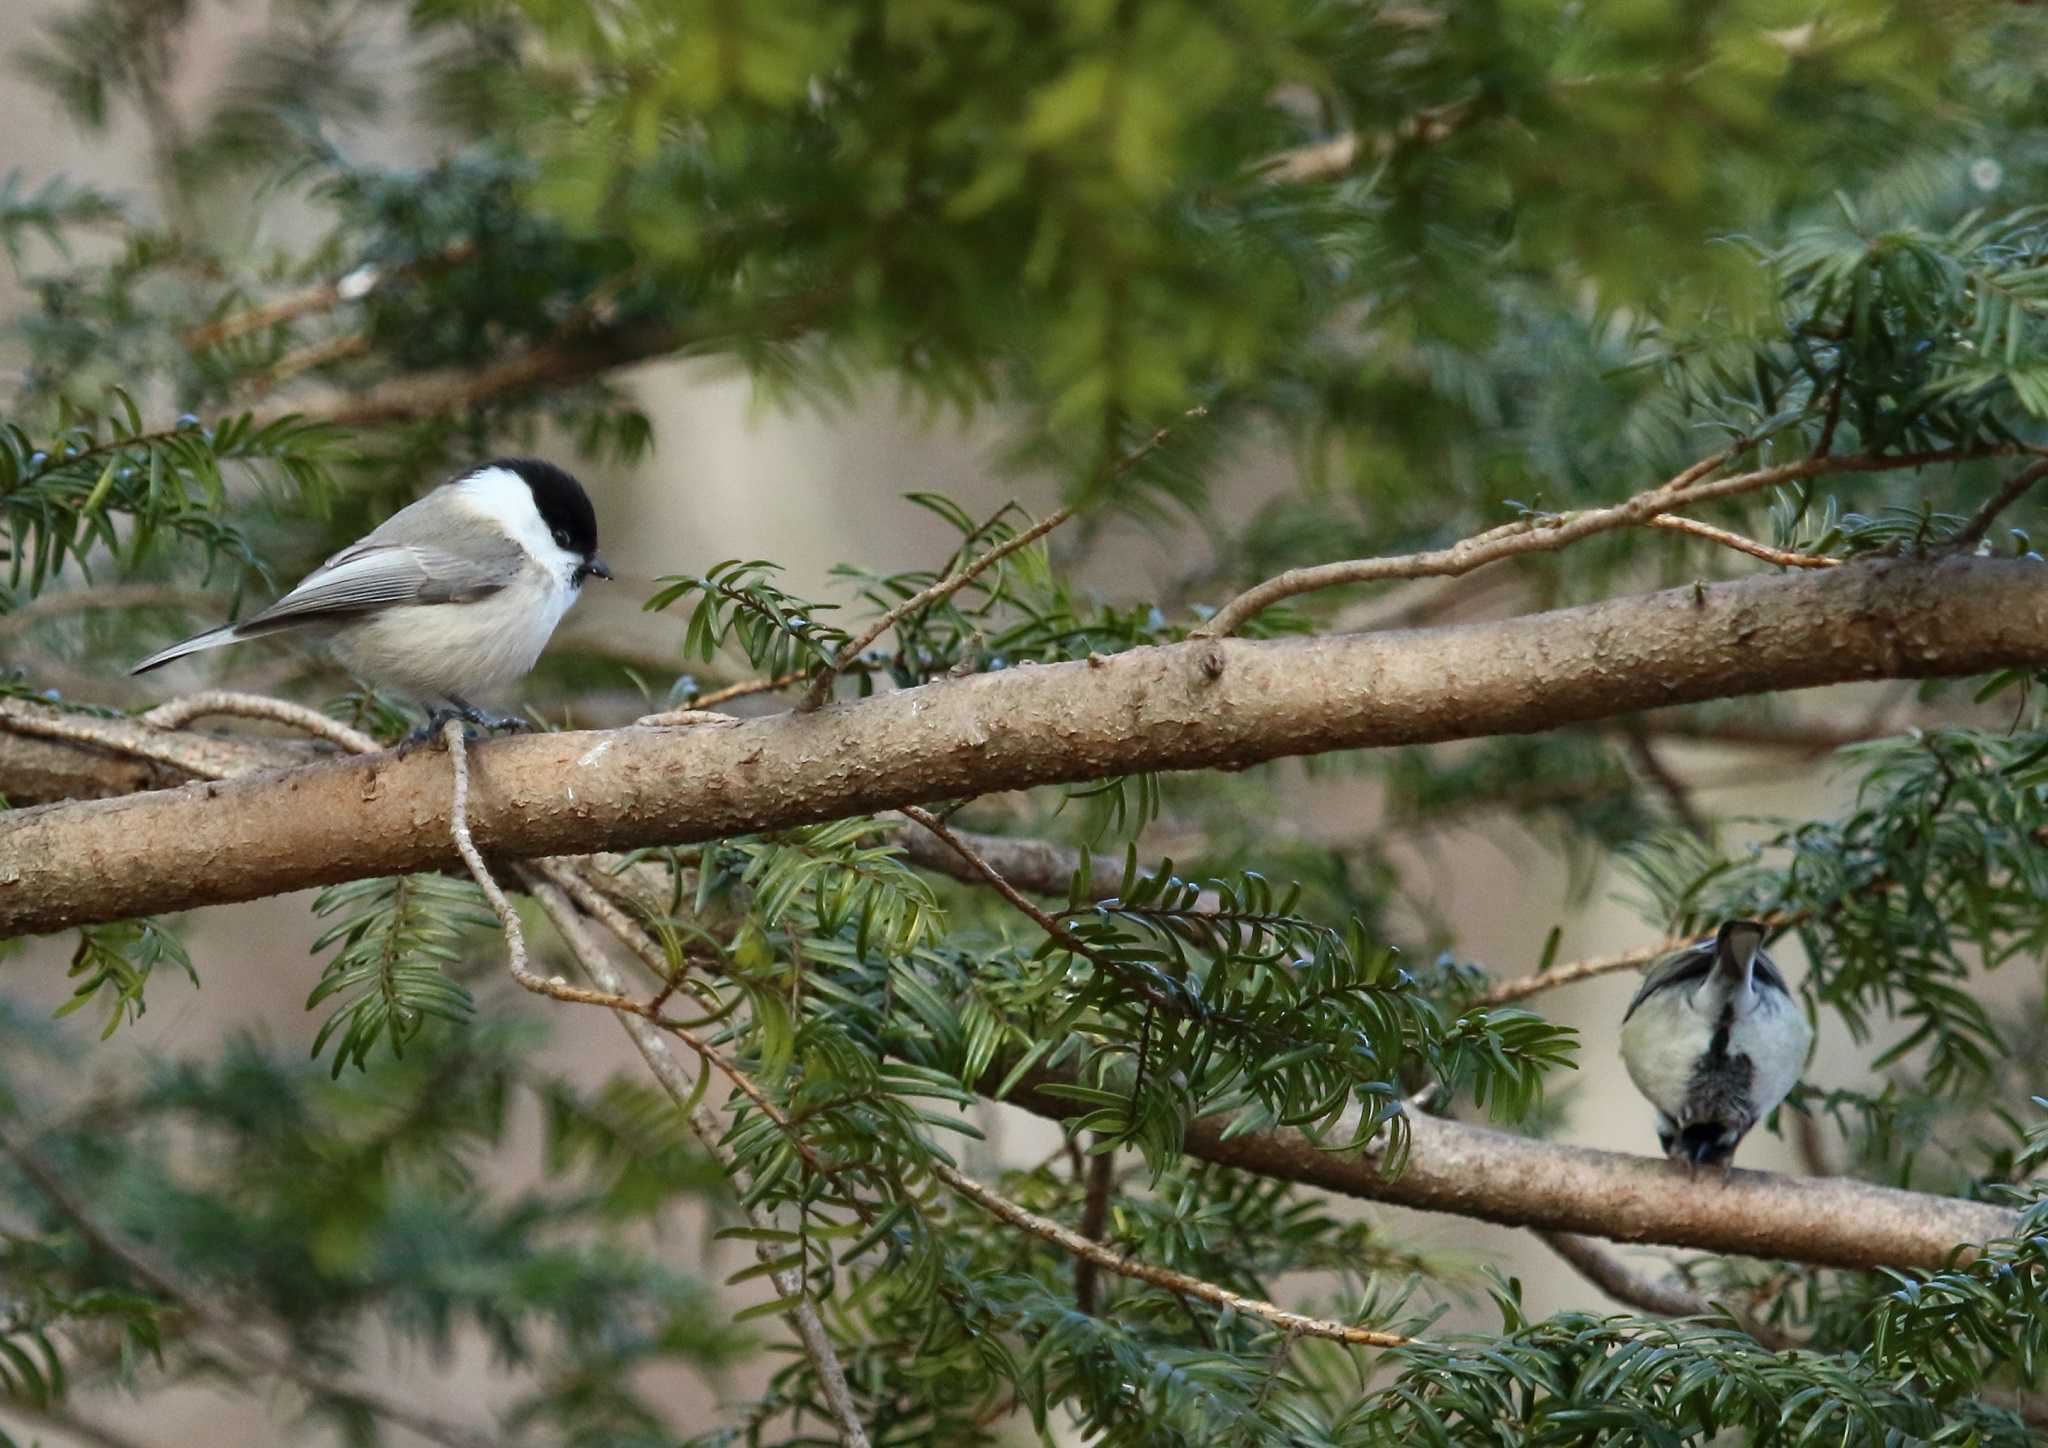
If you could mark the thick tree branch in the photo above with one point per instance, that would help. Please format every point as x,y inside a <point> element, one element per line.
<point>1476,1172</point>
<point>1204,703</point>
<point>1504,1178</point>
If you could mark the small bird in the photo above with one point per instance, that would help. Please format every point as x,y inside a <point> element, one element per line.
<point>451,596</point>
<point>1715,1041</point>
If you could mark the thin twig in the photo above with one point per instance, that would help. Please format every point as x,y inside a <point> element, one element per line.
<point>1548,534</point>
<point>1784,558</point>
<point>952,583</point>
<point>989,874</point>
<point>217,1322</point>
<point>1980,522</point>
<point>821,687</point>
<point>556,988</point>
<point>1525,986</point>
<point>319,297</point>
<point>746,687</point>
<point>1165,1278</point>
<point>654,1049</point>
<point>177,713</point>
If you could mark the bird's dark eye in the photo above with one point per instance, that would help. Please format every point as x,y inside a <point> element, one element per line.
<point>562,538</point>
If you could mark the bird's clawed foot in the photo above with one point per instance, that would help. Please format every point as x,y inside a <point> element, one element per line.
<point>476,724</point>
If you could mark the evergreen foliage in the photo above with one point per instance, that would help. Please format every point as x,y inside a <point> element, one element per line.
<point>1461,264</point>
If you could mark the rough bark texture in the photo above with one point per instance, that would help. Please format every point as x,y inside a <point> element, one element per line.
<point>1210,702</point>
<point>1472,1171</point>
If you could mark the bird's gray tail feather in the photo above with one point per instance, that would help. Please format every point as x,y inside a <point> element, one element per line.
<point>213,638</point>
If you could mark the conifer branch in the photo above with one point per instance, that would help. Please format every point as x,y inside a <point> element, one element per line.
<point>1180,1283</point>
<point>217,1323</point>
<point>649,1040</point>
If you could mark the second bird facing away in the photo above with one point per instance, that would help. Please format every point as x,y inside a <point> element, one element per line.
<point>1715,1041</point>
<point>451,597</point>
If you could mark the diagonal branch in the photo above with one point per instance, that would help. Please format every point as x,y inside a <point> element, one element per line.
<point>959,578</point>
<point>1083,1249</point>
<point>2016,488</point>
<point>1201,704</point>
<point>1783,557</point>
<point>952,583</point>
<point>1550,533</point>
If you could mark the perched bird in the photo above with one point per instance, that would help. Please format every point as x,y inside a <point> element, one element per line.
<point>452,596</point>
<point>1715,1041</point>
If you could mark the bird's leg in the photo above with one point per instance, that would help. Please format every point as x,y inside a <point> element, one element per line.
<point>430,732</point>
<point>496,723</point>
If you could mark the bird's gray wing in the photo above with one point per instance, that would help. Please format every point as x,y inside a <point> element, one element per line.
<point>385,575</point>
<point>1689,964</point>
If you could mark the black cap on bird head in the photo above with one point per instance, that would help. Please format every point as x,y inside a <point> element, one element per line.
<point>563,506</point>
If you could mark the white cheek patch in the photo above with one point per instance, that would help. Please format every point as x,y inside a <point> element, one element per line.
<point>501,497</point>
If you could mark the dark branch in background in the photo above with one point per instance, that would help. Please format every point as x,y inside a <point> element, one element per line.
<point>1670,1298</point>
<point>1101,1178</point>
<point>1675,790</point>
<point>552,365</point>
<point>1667,1297</point>
<point>1200,704</point>
<point>1972,532</point>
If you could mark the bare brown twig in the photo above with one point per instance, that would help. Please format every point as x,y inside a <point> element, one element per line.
<point>1551,533</point>
<point>952,583</point>
<point>180,712</point>
<point>1180,1283</point>
<point>1783,557</point>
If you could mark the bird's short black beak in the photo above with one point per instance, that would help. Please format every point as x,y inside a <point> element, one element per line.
<point>594,567</point>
